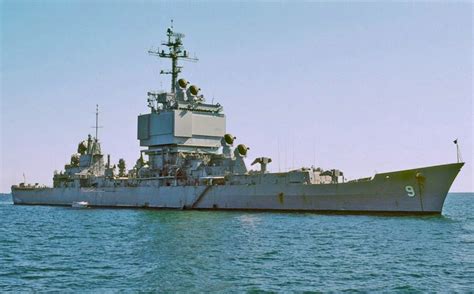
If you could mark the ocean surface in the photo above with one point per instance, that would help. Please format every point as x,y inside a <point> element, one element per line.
<point>107,250</point>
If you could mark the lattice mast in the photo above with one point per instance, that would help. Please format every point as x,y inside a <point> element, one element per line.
<point>175,52</point>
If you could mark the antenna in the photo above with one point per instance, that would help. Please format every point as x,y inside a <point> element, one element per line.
<point>458,152</point>
<point>314,153</point>
<point>278,151</point>
<point>175,52</point>
<point>97,127</point>
<point>292,153</point>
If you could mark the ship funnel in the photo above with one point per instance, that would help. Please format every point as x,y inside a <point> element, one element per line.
<point>229,139</point>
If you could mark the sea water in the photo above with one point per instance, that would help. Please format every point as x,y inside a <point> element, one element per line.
<point>61,249</point>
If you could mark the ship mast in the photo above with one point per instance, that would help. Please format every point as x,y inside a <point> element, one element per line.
<point>97,121</point>
<point>175,52</point>
<point>96,127</point>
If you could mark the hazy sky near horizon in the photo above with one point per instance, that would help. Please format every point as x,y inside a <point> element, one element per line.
<point>362,87</point>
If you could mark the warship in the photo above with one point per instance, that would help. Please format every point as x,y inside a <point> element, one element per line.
<point>189,161</point>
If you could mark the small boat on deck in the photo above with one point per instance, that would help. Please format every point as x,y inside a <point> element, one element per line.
<point>80,204</point>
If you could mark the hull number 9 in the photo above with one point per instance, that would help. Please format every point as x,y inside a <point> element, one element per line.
<point>410,191</point>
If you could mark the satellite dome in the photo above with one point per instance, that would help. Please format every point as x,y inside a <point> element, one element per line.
<point>182,83</point>
<point>242,149</point>
<point>229,139</point>
<point>194,90</point>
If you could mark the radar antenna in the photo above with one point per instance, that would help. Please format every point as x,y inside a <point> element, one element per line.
<point>97,127</point>
<point>175,52</point>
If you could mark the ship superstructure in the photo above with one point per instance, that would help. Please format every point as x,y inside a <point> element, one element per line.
<point>189,161</point>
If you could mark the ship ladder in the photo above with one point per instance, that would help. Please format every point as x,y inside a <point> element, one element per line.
<point>199,198</point>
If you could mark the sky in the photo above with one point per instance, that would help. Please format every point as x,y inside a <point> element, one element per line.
<point>363,87</point>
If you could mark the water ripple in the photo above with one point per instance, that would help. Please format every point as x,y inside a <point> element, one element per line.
<point>102,250</point>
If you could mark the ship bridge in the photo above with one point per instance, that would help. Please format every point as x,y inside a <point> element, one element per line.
<point>186,127</point>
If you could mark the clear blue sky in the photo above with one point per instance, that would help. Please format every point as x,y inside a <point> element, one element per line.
<point>362,87</point>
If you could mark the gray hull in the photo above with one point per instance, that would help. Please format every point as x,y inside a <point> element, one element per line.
<point>421,190</point>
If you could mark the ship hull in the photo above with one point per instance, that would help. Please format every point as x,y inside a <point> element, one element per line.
<point>414,191</point>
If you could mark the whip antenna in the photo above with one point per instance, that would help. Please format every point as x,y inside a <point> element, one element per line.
<point>97,127</point>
